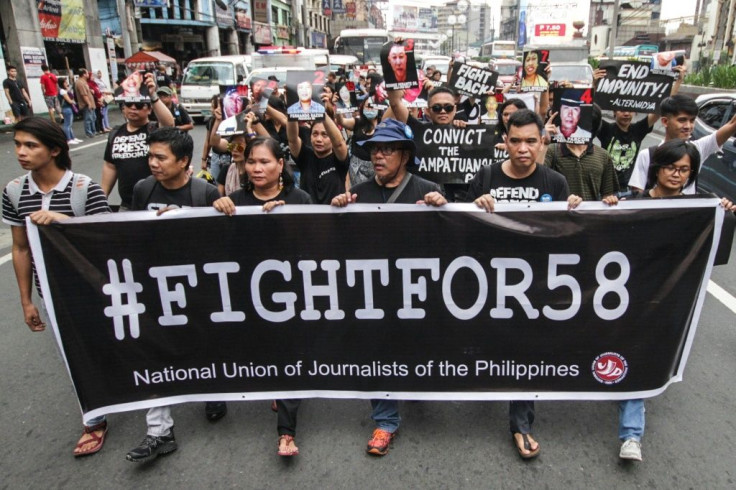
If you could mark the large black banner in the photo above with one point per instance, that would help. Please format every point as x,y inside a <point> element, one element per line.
<point>631,86</point>
<point>400,301</point>
<point>452,155</point>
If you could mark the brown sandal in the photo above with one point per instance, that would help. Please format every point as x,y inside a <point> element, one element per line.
<point>526,446</point>
<point>98,440</point>
<point>287,446</point>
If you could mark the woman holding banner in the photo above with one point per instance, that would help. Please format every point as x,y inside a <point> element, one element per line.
<point>269,183</point>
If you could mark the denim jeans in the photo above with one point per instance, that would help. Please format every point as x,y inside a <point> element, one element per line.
<point>631,419</point>
<point>159,421</point>
<point>386,414</point>
<point>89,121</point>
<point>218,163</point>
<point>68,120</point>
<point>105,118</point>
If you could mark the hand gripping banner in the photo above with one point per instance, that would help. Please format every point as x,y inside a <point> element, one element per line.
<point>395,301</point>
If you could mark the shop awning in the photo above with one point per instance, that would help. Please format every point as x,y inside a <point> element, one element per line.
<point>150,57</point>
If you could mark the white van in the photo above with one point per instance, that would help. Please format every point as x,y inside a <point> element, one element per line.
<point>203,77</point>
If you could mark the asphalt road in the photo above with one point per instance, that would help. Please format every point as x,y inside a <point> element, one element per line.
<point>690,440</point>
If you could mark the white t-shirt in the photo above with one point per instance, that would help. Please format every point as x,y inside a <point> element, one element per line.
<point>707,145</point>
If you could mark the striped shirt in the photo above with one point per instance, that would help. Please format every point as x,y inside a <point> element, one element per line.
<point>58,199</point>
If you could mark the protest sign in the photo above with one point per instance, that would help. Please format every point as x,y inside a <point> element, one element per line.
<point>631,86</point>
<point>472,81</point>
<point>664,62</point>
<point>399,68</point>
<point>232,102</point>
<point>260,107</point>
<point>347,102</point>
<point>574,119</point>
<point>533,76</point>
<point>303,91</point>
<point>452,155</point>
<point>134,90</point>
<point>530,302</point>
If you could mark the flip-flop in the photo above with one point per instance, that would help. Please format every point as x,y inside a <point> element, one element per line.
<point>527,446</point>
<point>288,451</point>
<point>99,441</point>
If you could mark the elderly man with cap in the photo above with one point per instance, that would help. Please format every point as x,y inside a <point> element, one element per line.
<point>182,119</point>
<point>570,110</point>
<point>392,149</point>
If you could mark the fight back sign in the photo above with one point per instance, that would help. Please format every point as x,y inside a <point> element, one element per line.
<point>631,86</point>
<point>472,81</point>
<point>531,302</point>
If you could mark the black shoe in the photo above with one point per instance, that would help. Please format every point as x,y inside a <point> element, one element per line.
<point>151,447</point>
<point>214,411</point>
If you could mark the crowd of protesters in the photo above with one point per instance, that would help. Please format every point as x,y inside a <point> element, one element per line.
<point>368,156</point>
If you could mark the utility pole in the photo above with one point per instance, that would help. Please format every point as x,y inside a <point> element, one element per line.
<point>123,13</point>
<point>614,29</point>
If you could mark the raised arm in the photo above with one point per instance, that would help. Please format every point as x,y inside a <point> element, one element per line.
<point>339,147</point>
<point>216,142</point>
<point>295,142</point>
<point>399,110</point>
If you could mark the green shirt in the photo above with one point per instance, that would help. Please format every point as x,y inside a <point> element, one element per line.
<point>590,176</point>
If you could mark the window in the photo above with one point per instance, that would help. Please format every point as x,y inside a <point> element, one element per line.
<point>713,113</point>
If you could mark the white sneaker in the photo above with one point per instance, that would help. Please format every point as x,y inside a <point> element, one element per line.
<point>630,449</point>
<point>77,140</point>
<point>72,142</point>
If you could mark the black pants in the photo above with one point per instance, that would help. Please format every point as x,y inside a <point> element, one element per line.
<point>521,416</point>
<point>287,410</point>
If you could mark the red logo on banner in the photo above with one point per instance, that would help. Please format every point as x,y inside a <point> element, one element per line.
<point>610,368</point>
<point>549,30</point>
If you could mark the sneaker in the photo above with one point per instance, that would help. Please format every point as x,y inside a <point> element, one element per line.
<point>72,142</point>
<point>379,443</point>
<point>151,447</point>
<point>630,449</point>
<point>77,140</point>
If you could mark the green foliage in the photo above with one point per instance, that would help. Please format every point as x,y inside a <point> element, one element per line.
<point>593,62</point>
<point>719,76</point>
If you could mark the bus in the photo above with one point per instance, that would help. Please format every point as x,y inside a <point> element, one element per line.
<point>364,44</point>
<point>499,49</point>
<point>642,52</point>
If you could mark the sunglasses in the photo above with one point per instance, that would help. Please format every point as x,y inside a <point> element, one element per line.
<point>137,105</point>
<point>385,149</point>
<point>448,108</point>
<point>239,147</point>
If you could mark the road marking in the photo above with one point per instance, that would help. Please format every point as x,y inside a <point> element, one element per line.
<point>722,295</point>
<point>75,148</point>
<point>714,289</point>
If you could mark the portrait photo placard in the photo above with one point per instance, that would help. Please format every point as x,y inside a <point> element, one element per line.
<point>533,77</point>
<point>399,67</point>
<point>134,89</point>
<point>303,91</point>
<point>574,119</point>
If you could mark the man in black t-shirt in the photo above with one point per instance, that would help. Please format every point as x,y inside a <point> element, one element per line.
<point>17,95</point>
<point>126,153</point>
<point>169,187</point>
<point>182,120</point>
<point>392,148</point>
<point>521,179</point>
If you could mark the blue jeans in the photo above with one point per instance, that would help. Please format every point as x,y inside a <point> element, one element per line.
<point>89,121</point>
<point>218,163</point>
<point>386,414</point>
<point>631,419</point>
<point>105,119</point>
<point>68,114</point>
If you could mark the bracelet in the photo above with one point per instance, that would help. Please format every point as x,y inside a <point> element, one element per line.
<point>154,99</point>
<point>251,135</point>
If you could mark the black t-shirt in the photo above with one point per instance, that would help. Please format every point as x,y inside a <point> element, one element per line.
<point>160,197</point>
<point>623,146</point>
<point>543,185</point>
<point>416,125</point>
<point>162,79</point>
<point>242,197</point>
<point>180,115</point>
<point>14,87</point>
<point>279,135</point>
<point>415,190</point>
<point>128,152</point>
<point>322,178</point>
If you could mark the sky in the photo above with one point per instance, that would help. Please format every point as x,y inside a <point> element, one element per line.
<point>677,8</point>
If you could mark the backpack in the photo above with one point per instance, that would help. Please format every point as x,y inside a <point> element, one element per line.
<point>78,198</point>
<point>198,190</point>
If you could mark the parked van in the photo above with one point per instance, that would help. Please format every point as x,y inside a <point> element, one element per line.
<point>346,62</point>
<point>203,77</point>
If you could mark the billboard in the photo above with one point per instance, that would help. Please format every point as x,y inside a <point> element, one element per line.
<point>411,18</point>
<point>551,21</point>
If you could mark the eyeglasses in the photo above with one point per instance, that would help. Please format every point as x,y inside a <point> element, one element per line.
<point>385,149</point>
<point>671,169</point>
<point>239,147</point>
<point>439,108</point>
<point>137,105</point>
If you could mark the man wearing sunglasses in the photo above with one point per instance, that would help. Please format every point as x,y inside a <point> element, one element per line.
<point>392,149</point>
<point>126,153</point>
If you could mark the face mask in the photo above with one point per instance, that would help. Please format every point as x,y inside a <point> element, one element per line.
<point>369,114</point>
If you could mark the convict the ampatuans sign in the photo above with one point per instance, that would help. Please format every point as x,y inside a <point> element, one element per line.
<point>395,301</point>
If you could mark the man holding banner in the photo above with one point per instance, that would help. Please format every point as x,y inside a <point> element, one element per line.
<point>521,179</point>
<point>392,149</point>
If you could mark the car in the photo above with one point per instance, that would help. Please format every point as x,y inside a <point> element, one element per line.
<point>580,74</point>
<point>718,171</point>
<point>506,69</point>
